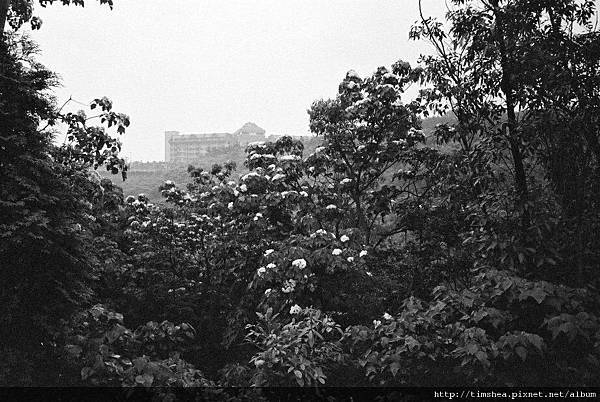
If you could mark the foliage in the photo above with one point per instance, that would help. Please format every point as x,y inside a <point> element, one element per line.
<point>501,331</point>
<point>114,355</point>
<point>295,353</point>
<point>476,243</point>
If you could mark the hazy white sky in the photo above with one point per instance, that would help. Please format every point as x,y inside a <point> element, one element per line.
<point>212,65</point>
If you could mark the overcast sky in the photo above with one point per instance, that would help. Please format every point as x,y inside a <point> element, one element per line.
<point>212,65</point>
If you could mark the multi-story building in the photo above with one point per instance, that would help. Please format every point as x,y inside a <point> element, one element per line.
<point>189,148</point>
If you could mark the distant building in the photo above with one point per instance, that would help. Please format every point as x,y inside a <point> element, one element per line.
<point>189,148</point>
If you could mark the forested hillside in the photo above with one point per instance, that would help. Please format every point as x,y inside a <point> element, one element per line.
<point>378,257</point>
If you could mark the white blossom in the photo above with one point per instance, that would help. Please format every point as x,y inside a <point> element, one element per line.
<point>386,316</point>
<point>271,265</point>
<point>230,205</point>
<point>330,206</point>
<point>363,253</point>
<point>290,284</point>
<point>299,263</point>
<point>268,291</point>
<point>376,323</point>
<point>303,193</point>
<point>261,271</point>
<point>295,309</point>
<point>350,259</point>
<point>344,238</point>
<point>269,251</point>
<point>336,251</point>
<point>352,74</point>
<point>346,181</point>
<point>243,188</point>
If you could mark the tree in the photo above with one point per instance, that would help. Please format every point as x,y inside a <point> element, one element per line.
<point>46,195</point>
<point>499,66</point>
<point>18,12</point>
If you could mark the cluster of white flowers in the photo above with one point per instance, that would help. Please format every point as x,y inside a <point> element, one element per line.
<point>319,149</point>
<point>350,259</point>
<point>387,316</point>
<point>230,205</point>
<point>344,238</point>
<point>278,176</point>
<point>243,188</point>
<point>284,194</point>
<point>303,193</point>
<point>352,74</point>
<point>268,292</point>
<point>289,286</point>
<point>258,216</point>
<point>330,206</point>
<point>290,158</point>
<point>261,271</point>
<point>369,273</point>
<point>376,323</point>
<point>388,76</point>
<point>271,265</point>
<point>249,175</point>
<point>300,263</point>
<point>268,252</point>
<point>346,181</point>
<point>295,309</point>
<point>336,251</point>
<point>169,183</point>
<point>362,253</point>
<point>257,144</point>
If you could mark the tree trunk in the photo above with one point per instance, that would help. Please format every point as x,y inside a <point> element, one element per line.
<point>512,132</point>
<point>3,13</point>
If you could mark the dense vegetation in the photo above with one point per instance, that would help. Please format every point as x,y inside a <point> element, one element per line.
<point>378,259</point>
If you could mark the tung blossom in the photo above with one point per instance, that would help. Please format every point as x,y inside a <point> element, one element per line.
<point>362,253</point>
<point>271,266</point>
<point>243,188</point>
<point>350,259</point>
<point>261,271</point>
<point>344,238</point>
<point>299,263</point>
<point>269,251</point>
<point>386,316</point>
<point>290,285</point>
<point>330,206</point>
<point>336,251</point>
<point>295,309</point>
<point>376,323</point>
